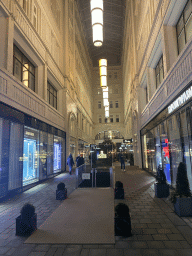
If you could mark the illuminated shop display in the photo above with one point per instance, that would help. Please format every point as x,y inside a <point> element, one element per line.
<point>30,151</point>
<point>57,154</point>
<point>30,154</point>
<point>30,160</point>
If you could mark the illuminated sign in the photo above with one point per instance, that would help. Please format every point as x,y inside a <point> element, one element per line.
<point>180,100</point>
<point>29,133</point>
<point>86,176</point>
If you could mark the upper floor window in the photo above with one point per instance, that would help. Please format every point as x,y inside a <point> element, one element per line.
<point>116,103</point>
<point>99,104</point>
<point>159,72</point>
<point>51,95</point>
<point>115,75</point>
<point>23,69</point>
<point>111,118</point>
<point>100,120</point>
<point>184,26</point>
<point>111,104</point>
<point>117,118</point>
<point>106,120</point>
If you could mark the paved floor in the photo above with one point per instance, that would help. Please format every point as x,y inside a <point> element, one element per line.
<point>157,230</point>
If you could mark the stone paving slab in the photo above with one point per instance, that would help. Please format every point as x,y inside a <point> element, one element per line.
<point>156,229</point>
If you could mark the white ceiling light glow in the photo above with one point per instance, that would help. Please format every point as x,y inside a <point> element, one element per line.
<point>97,21</point>
<point>103,72</point>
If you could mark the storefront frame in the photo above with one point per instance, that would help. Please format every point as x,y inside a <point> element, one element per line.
<point>185,100</point>
<point>12,116</point>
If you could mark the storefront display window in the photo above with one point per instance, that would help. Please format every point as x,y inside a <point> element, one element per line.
<point>43,155</point>
<point>50,154</point>
<point>185,141</point>
<point>175,145</point>
<point>30,155</point>
<point>145,160</point>
<point>165,151</point>
<point>150,141</point>
<point>158,147</point>
<point>15,156</point>
<point>57,154</point>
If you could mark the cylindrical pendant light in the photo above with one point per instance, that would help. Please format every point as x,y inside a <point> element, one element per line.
<point>107,111</point>
<point>103,72</point>
<point>97,21</point>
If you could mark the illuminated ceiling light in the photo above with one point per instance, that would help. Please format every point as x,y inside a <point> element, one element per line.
<point>97,21</point>
<point>105,102</point>
<point>105,99</point>
<point>107,111</point>
<point>103,72</point>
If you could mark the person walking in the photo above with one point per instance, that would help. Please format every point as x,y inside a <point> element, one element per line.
<point>122,162</point>
<point>70,162</point>
<point>78,161</point>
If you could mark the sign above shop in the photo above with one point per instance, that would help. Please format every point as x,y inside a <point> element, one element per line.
<point>128,141</point>
<point>180,100</point>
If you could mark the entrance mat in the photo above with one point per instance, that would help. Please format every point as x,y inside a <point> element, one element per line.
<point>86,217</point>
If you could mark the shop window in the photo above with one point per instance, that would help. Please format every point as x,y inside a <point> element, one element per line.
<point>111,118</point>
<point>50,152</point>
<point>23,69</point>
<point>116,103</point>
<point>30,155</point>
<point>15,156</point>
<point>99,104</point>
<point>159,72</point>
<point>111,104</point>
<point>117,118</point>
<point>57,154</point>
<point>184,26</point>
<point>51,95</point>
<point>43,145</point>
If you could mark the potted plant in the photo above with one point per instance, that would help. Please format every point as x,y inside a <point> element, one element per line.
<point>161,186</point>
<point>26,223</point>
<point>122,220</point>
<point>182,198</point>
<point>119,191</point>
<point>61,192</point>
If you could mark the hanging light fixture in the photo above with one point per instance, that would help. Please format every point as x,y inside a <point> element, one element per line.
<point>105,97</point>
<point>103,72</point>
<point>97,21</point>
<point>107,111</point>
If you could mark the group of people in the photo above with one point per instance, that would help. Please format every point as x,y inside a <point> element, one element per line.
<point>70,162</point>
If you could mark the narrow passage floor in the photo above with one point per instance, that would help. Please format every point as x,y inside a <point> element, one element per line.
<point>156,229</point>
